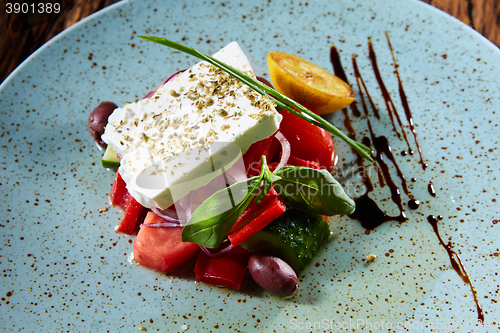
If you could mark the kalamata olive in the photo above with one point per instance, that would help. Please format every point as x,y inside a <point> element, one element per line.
<point>272,274</point>
<point>98,120</point>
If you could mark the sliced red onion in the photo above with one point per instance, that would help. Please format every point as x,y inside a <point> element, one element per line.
<point>161,225</point>
<point>151,93</point>
<point>183,208</point>
<point>189,203</point>
<point>173,76</point>
<point>234,177</point>
<point>188,213</point>
<point>168,215</point>
<point>285,150</point>
<point>223,249</point>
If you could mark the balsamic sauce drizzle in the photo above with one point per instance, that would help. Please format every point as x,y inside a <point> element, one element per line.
<point>365,206</point>
<point>367,212</point>
<point>457,264</point>
<point>404,102</point>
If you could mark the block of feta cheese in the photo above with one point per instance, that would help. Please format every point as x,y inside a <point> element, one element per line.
<point>172,139</point>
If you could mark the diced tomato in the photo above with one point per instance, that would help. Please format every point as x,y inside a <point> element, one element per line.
<point>308,141</point>
<point>134,212</point>
<point>161,249</point>
<point>256,217</point>
<point>228,270</point>
<point>252,158</point>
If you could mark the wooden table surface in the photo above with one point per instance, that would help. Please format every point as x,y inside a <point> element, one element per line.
<point>19,37</point>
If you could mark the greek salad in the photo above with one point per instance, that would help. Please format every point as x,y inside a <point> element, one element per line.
<point>220,168</point>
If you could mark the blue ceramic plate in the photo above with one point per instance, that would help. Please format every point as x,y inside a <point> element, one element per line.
<point>65,269</point>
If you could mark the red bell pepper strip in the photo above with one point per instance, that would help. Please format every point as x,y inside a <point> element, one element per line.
<point>272,166</point>
<point>134,212</point>
<point>119,194</point>
<point>134,216</point>
<point>228,270</point>
<point>295,161</point>
<point>253,156</point>
<point>256,217</point>
<point>252,209</point>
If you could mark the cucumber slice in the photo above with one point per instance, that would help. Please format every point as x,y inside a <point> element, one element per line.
<point>295,236</point>
<point>110,159</point>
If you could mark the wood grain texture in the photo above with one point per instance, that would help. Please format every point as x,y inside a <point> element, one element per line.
<point>481,15</point>
<point>21,35</point>
<point>456,8</point>
<point>486,19</point>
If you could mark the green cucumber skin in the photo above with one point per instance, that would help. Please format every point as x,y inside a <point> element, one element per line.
<point>110,165</point>
<point>110,159</point>
<point>296,236</point>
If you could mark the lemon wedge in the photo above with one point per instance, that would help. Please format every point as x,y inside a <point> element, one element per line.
<point>308,84</point>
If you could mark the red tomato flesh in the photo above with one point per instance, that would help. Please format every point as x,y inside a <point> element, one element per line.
<point>308,141</point>
<point>161,249</point>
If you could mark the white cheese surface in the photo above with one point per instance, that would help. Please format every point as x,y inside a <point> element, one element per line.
<point>167,140</point>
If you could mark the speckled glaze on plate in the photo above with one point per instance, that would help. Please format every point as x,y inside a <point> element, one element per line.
<point>64,269</point>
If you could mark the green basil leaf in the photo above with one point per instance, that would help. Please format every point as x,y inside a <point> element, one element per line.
<point>214,218</point>
<point>266,187</point>
<point>268,180</point>
<point>269,176</point>
<point>314,191</point>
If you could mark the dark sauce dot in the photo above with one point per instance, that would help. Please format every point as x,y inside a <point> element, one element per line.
<point>432,220</point>
<point>404,153</point>
<point>413,180</point>
<point>413,204</point>
<point>431,189</point>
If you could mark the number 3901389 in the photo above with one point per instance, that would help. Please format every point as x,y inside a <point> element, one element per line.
<point>32,8</point>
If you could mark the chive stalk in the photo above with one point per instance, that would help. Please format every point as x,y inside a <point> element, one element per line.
<point>280,99</point>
